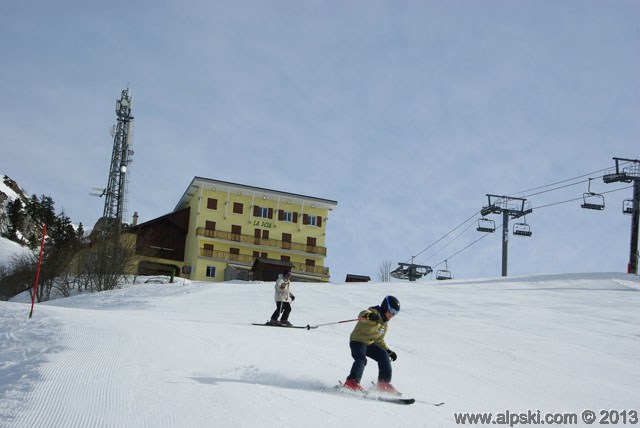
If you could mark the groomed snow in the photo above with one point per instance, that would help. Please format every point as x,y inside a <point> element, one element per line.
<point>185,354</point>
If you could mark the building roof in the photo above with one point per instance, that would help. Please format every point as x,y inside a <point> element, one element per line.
<point>225,186</point>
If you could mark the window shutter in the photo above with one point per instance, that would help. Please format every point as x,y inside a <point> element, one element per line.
<point>256,211</point>
<point>270,214</point>
<point>305,218</point>
<point>280,215</point>
<point>319,221</point>
<point>295,217</point>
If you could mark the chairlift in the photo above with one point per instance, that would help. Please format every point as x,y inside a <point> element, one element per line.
<point>627,206</point>
<point>443,274</point>
<point>486,225</point>
<point>410,271</point>
<point>591,200</point>
<point>522,229</point>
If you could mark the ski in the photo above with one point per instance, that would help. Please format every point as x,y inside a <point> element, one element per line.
<point>429,403</point>
<point>417,401</point>
<point>395,400</point>
<point>367,395</point>
<point>306,327</point>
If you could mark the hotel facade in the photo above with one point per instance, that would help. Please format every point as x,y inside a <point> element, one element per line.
<point>221,231</point>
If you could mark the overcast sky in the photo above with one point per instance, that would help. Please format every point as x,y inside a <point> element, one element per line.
<point>405,112</point>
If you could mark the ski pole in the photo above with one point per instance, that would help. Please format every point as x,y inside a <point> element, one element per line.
<point>309,327</point>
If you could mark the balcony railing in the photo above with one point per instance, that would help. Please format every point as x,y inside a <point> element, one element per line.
<point>248,260</point>
<point>248,239</point>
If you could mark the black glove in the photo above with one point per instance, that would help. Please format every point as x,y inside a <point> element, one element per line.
<point>392,355</point>
<point>372,316</point>
<point>292,297</point>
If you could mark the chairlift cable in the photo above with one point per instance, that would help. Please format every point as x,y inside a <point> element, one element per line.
<point>450,242</point>
<point>484,235</point>
<point>447,234</point>
<point>527,196</point>
<point>578,199</point>
<point>564,181</point>
<point>536,208</point>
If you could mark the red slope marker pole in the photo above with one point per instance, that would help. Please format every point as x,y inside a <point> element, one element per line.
<point>35,285</point>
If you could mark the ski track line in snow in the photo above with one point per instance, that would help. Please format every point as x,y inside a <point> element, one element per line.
<point>81,377</point>
<point>20,358</point>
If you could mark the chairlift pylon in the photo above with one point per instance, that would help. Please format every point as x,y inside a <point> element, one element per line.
<point>591,200</point>
<point>486,225</point>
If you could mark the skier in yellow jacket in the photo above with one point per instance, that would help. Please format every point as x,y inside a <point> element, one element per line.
<point>367,340</point>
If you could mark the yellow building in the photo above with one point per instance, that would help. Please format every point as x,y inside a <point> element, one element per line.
<point>231,226</point>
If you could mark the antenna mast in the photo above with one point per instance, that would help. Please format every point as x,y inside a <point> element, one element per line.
<point>116,192</point>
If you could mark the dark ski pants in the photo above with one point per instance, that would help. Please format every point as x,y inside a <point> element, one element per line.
<point>360,352</point>
<point>283,308</point>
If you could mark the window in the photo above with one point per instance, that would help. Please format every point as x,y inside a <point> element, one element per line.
<point>311,220</point>
<point>262,212</point>
<point>207,250</point>
<point>285,258</point>
<point>237,208</point>
<point>259,234</point>
<point>288,216</point>
<point>211,272</point>
<point>286,241</point>
<point>212,204</point>
<point>236,231</point>
<point>210,225</point>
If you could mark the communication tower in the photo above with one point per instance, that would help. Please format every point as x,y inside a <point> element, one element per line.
<point>116,191</point>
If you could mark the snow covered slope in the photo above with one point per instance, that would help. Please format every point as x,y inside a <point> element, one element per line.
<point>9,250</point>
<point>185,355</point>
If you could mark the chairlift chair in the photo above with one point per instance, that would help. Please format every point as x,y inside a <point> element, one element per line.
<point>444,274</point>
<point>627,206</point>
<point>591,200</point>
<point>486,225</point>
<point>522,229</point>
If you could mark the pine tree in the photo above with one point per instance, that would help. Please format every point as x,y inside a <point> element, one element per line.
<point>15,219</point>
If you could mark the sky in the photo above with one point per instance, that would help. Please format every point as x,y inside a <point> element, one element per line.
<point>405,112</point>
<point>554,344</point>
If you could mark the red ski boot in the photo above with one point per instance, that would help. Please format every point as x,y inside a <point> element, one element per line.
<point>387,388</point>
<point>353,385</point>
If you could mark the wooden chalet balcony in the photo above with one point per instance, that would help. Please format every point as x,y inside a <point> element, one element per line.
<point>248,239</point>
<point>248,261</point>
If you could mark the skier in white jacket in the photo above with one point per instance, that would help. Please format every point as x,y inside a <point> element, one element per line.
<point>283,298</point>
